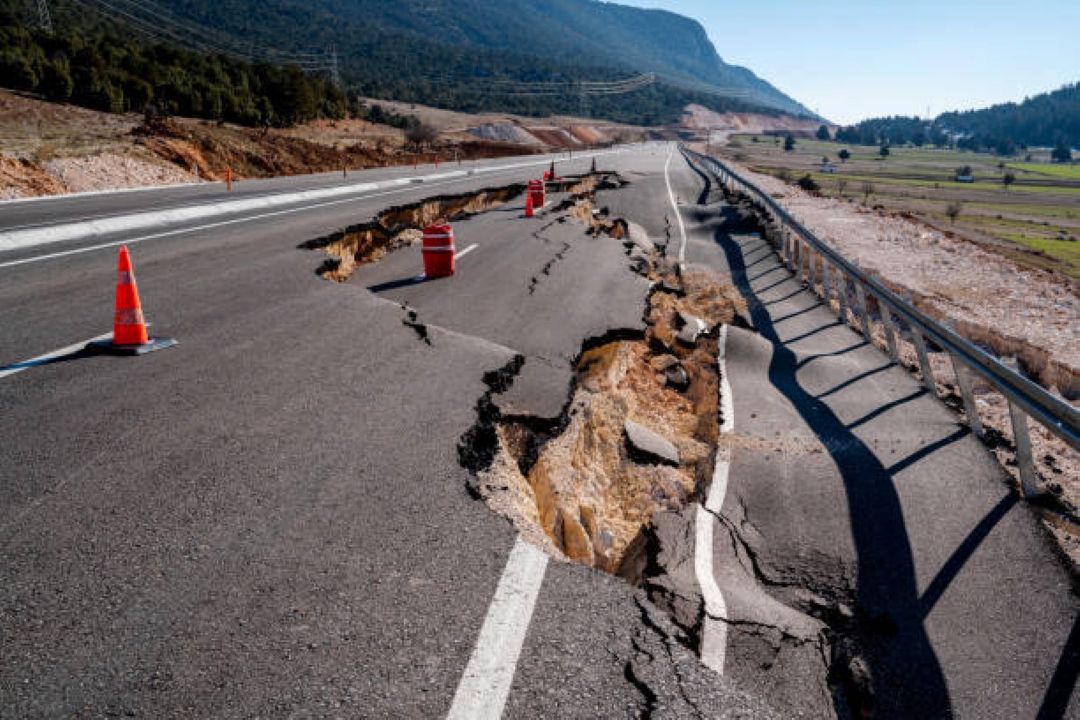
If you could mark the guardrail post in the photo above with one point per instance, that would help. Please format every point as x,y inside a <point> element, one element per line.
<point>841,293</point>
<point>890,330</point>
<point>807,263</point>
<point>826,288</point>
<point>863,311</point>
<point>1025,458</point>
<point>971,410</point>
<point>1025,461</point>
<point>924,361</point>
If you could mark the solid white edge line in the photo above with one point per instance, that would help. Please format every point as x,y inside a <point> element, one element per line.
<point>713,649</point>
<point>486,682</point>
<point>466,251</point>
<point>18,367</point>
<point>675,207</point>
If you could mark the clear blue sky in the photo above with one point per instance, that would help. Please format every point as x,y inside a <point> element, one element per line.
<point>866,58</point>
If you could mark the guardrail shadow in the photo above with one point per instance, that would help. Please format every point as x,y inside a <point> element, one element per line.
<point>891,635</point>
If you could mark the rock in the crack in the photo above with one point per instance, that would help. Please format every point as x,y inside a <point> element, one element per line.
<point>639,237</point>
<point>674,373</point>
<point>693,328</point>
<point>647,446</point>
<point>677,378</point>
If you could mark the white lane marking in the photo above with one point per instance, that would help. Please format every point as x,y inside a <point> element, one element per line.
<point>8,370</point>
<point>17,239</point>
<point>675,207</point>
<point>484,687</point>
<point>714,631</point>
<point>466,251</point>
<point>95,193</point>
<point>502,169</point>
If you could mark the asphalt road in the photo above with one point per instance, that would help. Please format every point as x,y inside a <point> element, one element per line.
<point>271,520</point>
<point>859,500</point>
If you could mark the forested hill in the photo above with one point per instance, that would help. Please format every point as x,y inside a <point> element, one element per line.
<point>532,57</point>
<point>1040,120</point>
<point>1049,120</point>
<point>464,39</point>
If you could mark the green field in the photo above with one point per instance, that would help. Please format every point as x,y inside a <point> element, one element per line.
<point>1067,172</point>
<point>1035,220</point>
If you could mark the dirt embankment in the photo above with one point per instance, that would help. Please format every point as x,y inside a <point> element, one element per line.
<point>51,148</point>
<point>699,118</point>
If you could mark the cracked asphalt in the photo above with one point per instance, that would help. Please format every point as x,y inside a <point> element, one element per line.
<point>860,507</point>
<point>271,519</point>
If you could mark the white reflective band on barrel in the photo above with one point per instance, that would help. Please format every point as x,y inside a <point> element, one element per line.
<point>440,249</point>
<point>129,316</point>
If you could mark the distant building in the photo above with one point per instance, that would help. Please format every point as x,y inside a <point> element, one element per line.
<point>964,178</point>
<point>829,168</point>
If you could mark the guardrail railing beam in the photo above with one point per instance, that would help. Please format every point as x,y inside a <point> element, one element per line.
<point>1029,398</point>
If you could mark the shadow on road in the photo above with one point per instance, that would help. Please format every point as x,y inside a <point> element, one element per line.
<point>81,354</point>
<point>908,678</point>
<point>395,284</point>
<point>1056,702</point>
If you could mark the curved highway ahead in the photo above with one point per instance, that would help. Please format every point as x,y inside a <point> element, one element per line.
<point>271,519</point>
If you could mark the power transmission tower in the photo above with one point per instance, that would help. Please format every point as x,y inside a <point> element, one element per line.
<point>583,108</point>
<point>44,18</point>
<point>334,73</point>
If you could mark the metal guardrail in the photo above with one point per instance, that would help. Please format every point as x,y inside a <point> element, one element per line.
<point>1025,397</point>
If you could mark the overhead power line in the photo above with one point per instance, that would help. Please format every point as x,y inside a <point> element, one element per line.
<point>152,21</point>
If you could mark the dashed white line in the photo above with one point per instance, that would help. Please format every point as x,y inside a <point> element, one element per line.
<point>8,370</point>
<point>714,630</point>
<point>466,251</point>
<point>484,687</point>
<point>675,207</point>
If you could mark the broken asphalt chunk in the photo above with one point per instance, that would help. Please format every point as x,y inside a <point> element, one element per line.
<point>647,446</point>
<point>693,328</point>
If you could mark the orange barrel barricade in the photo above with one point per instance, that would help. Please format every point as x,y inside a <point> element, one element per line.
<point>438,251</point>
<point>536,192</point>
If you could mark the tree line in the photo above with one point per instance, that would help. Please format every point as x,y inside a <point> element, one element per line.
<point>1048,120</point>
<point>104,70</point>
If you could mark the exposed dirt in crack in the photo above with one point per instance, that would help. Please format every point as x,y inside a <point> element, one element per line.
<point>402,225</point>
<point>580,488</point>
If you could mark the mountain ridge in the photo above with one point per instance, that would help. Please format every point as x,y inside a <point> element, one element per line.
<point>561,34</point>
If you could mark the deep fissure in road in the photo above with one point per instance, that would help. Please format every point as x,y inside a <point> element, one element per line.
<point>402,225</point>
<point>637,435</point>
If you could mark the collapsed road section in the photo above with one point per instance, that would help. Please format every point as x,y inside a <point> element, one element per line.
<point>401,226</point>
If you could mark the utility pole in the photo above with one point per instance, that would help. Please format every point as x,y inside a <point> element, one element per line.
<point>44,18</point>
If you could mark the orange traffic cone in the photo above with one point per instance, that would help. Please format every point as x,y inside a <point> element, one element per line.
<point>129,326</point>
<point>529,210</point>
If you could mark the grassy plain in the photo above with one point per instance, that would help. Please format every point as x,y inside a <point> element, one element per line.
<point>1035,220</point>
